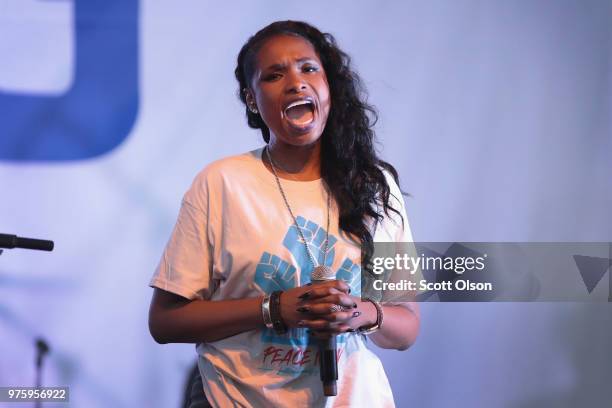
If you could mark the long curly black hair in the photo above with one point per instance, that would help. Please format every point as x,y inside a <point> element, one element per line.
<point>349,163</point>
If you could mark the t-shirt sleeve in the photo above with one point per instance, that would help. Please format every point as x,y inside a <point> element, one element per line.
<point>186,264</point>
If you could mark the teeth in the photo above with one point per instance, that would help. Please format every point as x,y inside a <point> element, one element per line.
<point>298,103</point>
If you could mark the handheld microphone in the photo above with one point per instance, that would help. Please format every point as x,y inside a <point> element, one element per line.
<point>328,364</point>
<point>13,241</point>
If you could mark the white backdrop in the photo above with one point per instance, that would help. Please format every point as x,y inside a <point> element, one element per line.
<point>498,116</point>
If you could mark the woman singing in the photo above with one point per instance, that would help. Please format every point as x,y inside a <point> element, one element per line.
<point>235,276</point>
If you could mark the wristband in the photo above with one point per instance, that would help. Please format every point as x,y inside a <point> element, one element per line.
<point>265,311</point>
<point>379,318</point>
<point>277,321</point>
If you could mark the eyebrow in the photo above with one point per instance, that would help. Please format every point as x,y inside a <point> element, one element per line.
<point>275,67</point>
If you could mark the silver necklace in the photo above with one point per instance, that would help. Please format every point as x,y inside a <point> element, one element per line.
<point>320,272</point>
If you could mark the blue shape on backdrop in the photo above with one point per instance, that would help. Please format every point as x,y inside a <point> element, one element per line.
<point>97,113</point>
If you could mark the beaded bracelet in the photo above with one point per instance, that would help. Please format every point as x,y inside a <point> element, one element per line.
<point>275,313</point>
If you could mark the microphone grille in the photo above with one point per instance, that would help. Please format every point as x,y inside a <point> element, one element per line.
<point>322,273</point>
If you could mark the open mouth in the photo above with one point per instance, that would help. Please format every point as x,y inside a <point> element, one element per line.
<point>300,113</point>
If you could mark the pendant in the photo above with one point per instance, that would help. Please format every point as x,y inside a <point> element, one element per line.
<point>322,273</point>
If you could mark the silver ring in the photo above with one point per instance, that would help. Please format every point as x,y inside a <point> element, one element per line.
<point>337,308</point>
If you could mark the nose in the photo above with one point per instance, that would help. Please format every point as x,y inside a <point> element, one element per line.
<point>295,83</point>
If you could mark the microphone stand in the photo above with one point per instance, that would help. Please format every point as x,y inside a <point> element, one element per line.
<point>42,347</point>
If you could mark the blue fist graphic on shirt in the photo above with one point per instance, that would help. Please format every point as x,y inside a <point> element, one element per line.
<point>349,272</point>
<point>315,239</point>
<point>272,273</point>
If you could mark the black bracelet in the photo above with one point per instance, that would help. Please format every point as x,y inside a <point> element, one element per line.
<point>275,313</point>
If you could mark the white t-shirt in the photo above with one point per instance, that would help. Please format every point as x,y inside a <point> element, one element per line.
<point>234,238</point>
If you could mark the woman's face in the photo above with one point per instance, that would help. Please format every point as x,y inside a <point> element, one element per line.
<point>289,88</point>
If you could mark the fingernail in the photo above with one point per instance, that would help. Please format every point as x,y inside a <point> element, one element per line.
<point>304,295</point>
<point>301,323</point>
<point>356,314</point>
<point>303,309</point>
<point>354,305</point>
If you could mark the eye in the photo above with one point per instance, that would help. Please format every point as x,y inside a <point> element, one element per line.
<point>272,77</point>
<point>310,68</point>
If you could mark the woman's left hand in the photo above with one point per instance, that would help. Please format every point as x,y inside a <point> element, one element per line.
<point>327,310</point>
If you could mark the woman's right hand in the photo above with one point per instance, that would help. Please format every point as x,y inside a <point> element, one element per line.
<point>315,306</point>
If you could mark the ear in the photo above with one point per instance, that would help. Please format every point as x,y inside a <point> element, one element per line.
<point>250,100</point>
